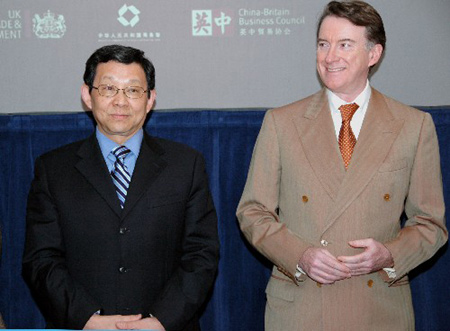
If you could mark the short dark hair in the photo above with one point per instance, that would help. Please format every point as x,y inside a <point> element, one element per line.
<point>121,54</point>
<point>359,13</point>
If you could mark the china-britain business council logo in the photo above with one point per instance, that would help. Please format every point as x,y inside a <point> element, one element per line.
<point>208,22</point>
<point>269,22</point>
<point>129,18</point>
<point>49,26</point>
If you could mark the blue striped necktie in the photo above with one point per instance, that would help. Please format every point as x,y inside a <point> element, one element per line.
<point>120,175</point>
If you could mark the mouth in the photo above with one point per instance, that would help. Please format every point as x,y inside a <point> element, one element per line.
<point>335,69</point>
<point>119,116</point>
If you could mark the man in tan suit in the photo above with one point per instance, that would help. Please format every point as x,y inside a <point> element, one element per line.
<point>328,215</point>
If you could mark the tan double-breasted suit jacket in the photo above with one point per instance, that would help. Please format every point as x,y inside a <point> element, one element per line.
<point>298,194</point>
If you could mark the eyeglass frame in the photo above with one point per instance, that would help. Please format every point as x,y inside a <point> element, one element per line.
<point>117,90</point>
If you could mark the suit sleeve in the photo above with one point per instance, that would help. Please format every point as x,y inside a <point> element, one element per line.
<point>424,232</point>
<point>189,286</point>
<point>257,209</point>
<point>64,303</point>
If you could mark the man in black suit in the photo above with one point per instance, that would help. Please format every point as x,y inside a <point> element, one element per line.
<point>2,323</point>
<point>120,243</point>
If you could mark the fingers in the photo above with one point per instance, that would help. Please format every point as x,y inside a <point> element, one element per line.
<point>353,259</point>
<point>359,264</point>
<point>130,318</point>
<point>374,257</point>
<point>323,267</point>
<point>108,322</point>
<point>128,322</point>
<point>126,325</point>
<point>144,323</point>
<point>362,243</point>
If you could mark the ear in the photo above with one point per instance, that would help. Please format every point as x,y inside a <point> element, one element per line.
<point>86,96</point>
<point>151,100</point>
<point>375,54</point>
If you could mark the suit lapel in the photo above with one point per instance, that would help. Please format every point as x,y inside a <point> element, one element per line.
<point>148,166</point>
<point>93,167</point>
<point>378,133</point>
<point>316,131</point>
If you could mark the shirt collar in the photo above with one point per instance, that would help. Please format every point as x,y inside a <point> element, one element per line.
<point>361,100</point>
<point>107,145</point>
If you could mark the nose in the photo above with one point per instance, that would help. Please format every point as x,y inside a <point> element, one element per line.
<point>331,55</point>
<point>120,99</point>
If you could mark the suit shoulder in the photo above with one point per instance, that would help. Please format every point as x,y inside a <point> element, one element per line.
<point>299,106</point>
<point>402,110</point>
<point>63,151</point>
<point>172,147</point>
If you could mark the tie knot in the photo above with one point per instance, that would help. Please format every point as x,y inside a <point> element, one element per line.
<point>347,111</point>
<point>120,152</point>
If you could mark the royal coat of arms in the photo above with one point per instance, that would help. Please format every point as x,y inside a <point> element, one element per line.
<point>49,26</point>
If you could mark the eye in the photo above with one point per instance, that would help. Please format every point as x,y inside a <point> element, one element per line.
<point>322,44</point>
<point>108,88</point>
<point>134,92</point>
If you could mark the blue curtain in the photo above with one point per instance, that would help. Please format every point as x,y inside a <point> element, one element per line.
<point>226,139</point>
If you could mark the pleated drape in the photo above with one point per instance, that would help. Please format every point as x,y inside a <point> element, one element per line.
<point>226,139</point>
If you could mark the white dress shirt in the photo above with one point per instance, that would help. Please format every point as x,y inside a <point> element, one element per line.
<point>362,100</point>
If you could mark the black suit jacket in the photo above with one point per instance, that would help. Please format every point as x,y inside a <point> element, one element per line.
<point>83,253</point>
<point>2,324</point>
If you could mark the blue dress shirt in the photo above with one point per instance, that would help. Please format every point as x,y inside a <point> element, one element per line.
<point>133,144</point>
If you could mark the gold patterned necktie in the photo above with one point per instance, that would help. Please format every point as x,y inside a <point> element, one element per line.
<point>347,140</point>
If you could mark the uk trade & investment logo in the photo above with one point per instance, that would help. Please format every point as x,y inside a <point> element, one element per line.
<point>128,17</point>
<point>208,22</point>
<point>49,26</point>
<point>11,25</point>
<point>134,13</point>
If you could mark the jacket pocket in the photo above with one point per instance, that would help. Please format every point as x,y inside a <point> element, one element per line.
<point>280,289</point>
<point>387,192</point>
<point>393,166</point>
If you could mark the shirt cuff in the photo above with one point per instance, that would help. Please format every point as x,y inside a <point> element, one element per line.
<point>299,274</point>
<point>390,272</point>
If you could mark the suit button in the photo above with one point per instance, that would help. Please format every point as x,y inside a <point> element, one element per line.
<point>123,230</point>
<point>324,243</point>
<point>123,270</point>
<point>305,199</point>
<point>387,197</point>
<point>319,285</point>
<point>370,283</point>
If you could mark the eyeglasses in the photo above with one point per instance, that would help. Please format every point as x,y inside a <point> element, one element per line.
<point>132,92</point>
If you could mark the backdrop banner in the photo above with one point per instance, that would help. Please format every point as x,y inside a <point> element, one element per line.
<point>209,54</point>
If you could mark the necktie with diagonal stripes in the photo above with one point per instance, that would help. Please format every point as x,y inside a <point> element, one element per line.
<point>347,140</point>
<point>120,175</point>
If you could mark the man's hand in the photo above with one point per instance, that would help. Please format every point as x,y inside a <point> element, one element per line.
<point>149,323</point>
<point>321,266</point>
<point>108,322</point>
<point>375,257</point>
